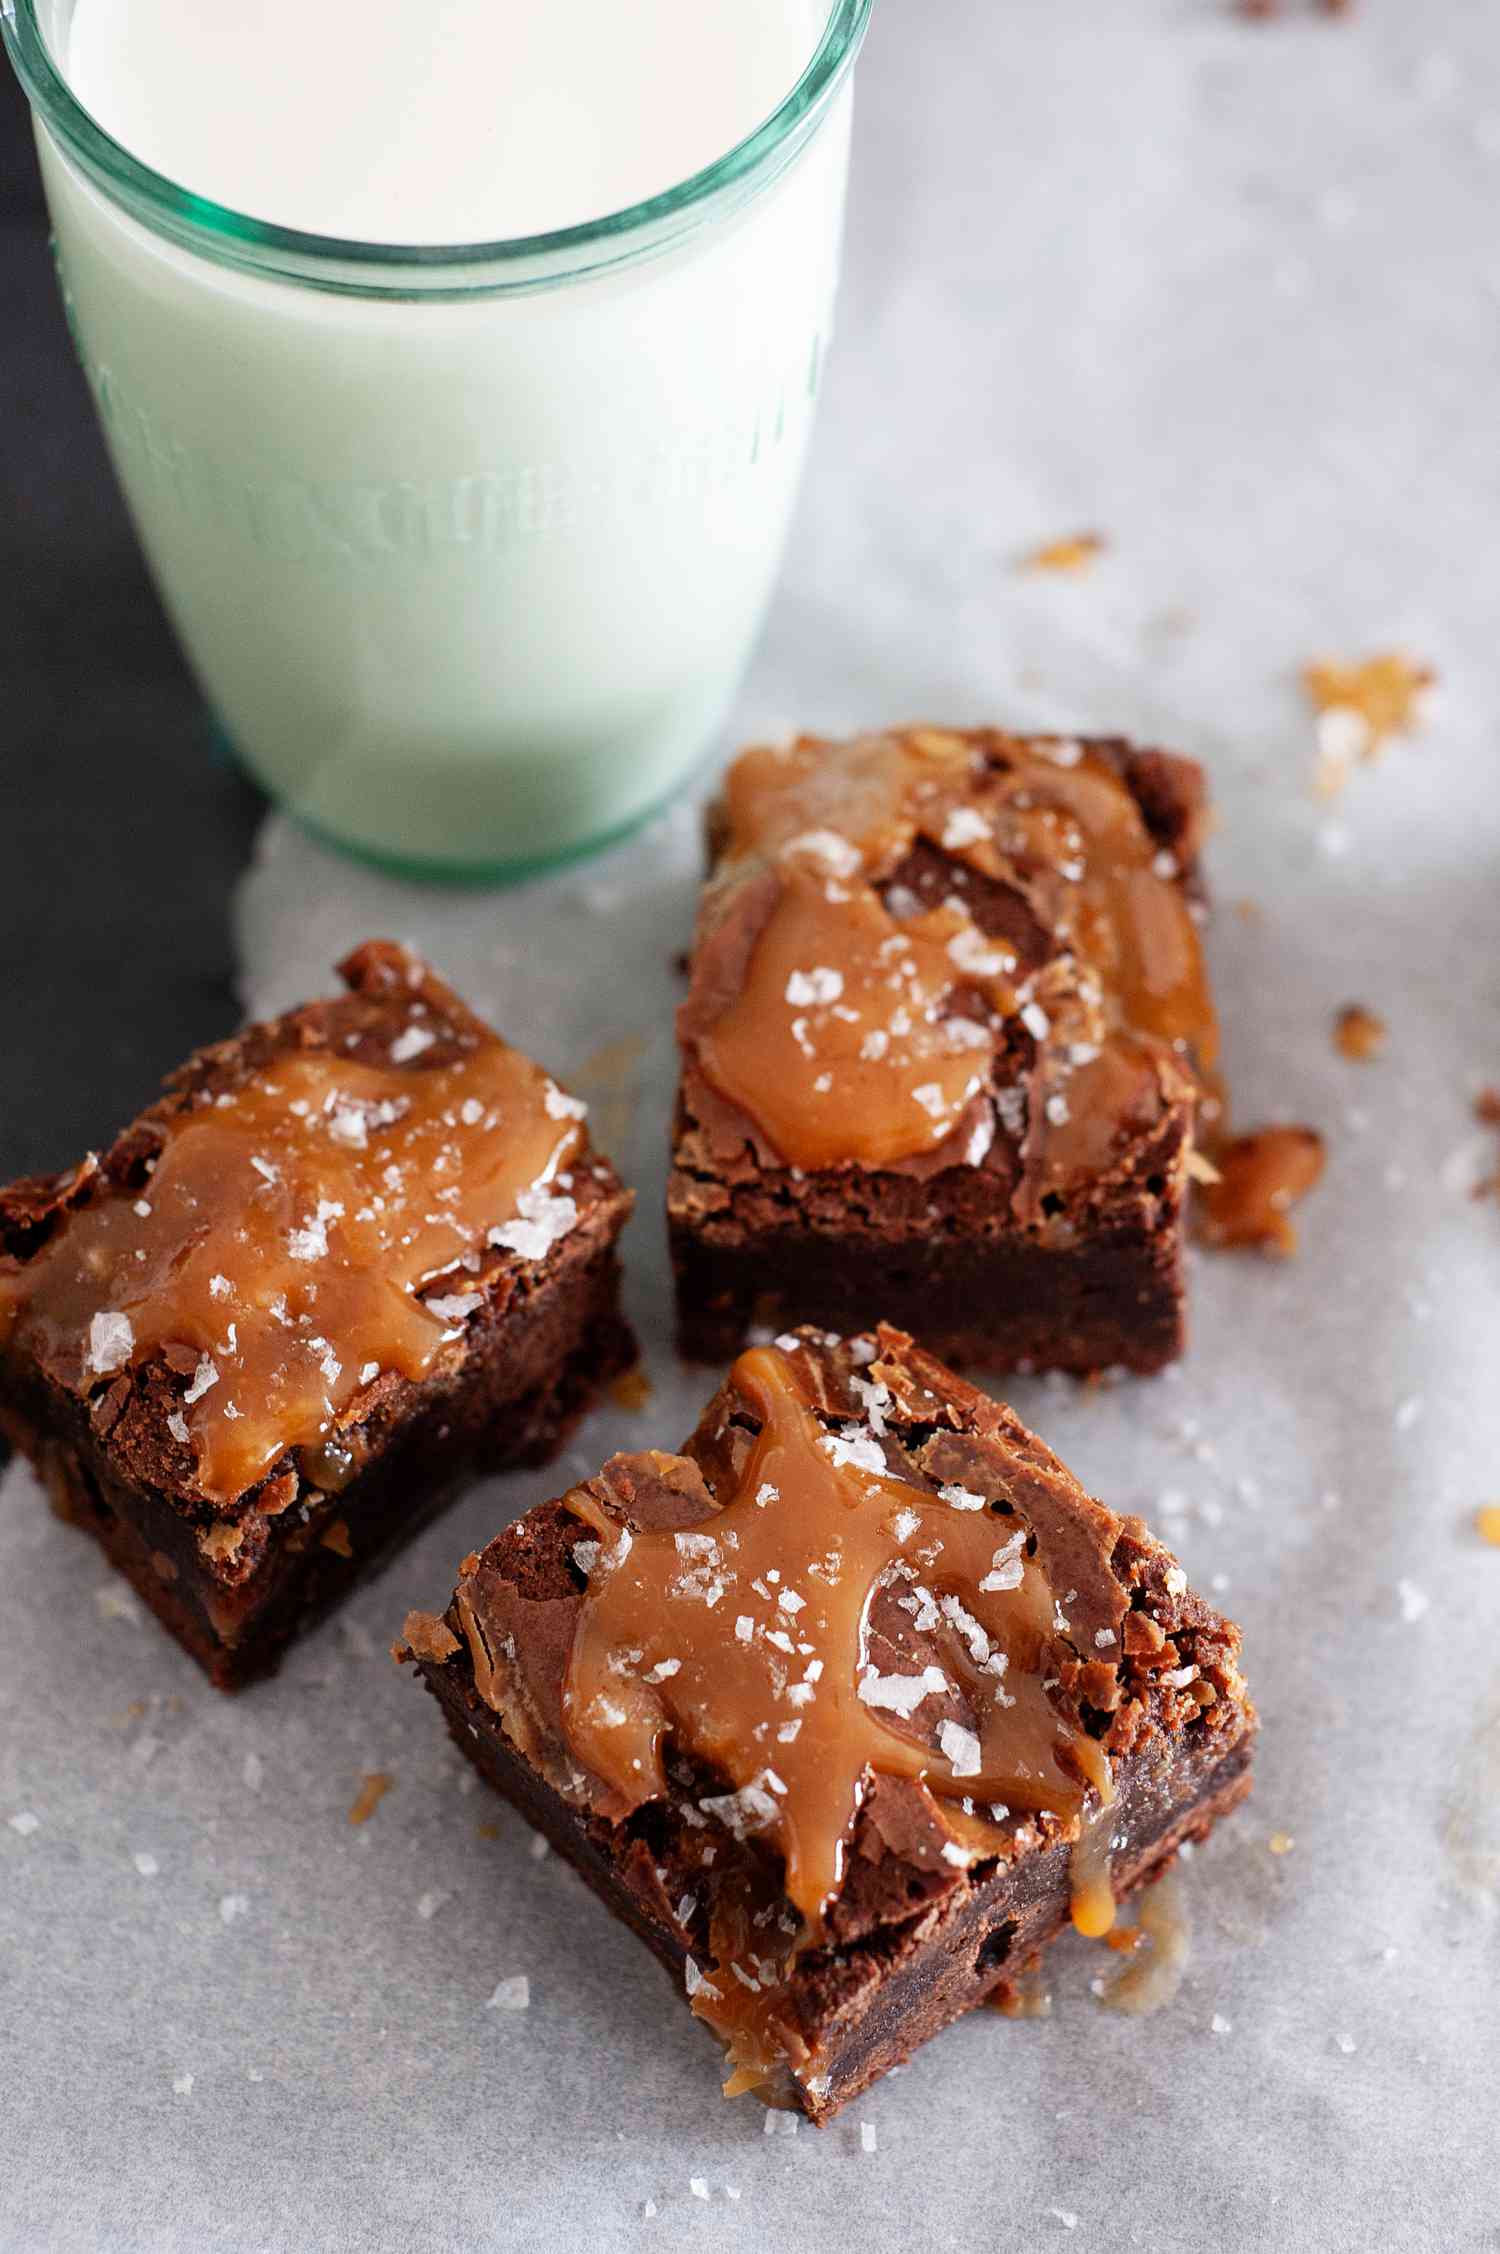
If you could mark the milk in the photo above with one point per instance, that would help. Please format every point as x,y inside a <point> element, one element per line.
<point>468,571</point>
<point>434,121</point>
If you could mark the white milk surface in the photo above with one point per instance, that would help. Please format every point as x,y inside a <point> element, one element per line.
<point>467,581</point>
<point>452,121</point>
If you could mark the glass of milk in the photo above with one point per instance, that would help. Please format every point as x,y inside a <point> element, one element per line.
<point>457,362</point>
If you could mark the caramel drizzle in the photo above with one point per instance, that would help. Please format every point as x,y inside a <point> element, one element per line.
<point>865,1029</point>
<point>276,1254</point>
<point>742,1642</point>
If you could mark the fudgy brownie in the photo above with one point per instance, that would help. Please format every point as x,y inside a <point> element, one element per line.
<point>847,1708</point>
<point>945,1044</point>
<point>350,1255</point>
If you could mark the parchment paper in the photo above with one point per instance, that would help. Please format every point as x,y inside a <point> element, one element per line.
<point>1230,294</point>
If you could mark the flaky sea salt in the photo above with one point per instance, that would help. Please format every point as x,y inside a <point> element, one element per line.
<point>960,1498</point>
<point>959,1748</point>
<point>868,2140</point>
<point>836,853</point>
<point>429,1904</point>
<point>857,1447</point>
<point>232,1906</point>
<point>24,1822</point>
<point>1412,1600</point>
<point>110,1342</point>
<point>513,1994</point>
<point>205,1376</point>
<point>146,1864</point>
<point>965,826</point>
<point>412,1043</point>
<point>901,1694</point>
<point>542,1220</point>
<point>806,989</point>
<point>560,1105</point>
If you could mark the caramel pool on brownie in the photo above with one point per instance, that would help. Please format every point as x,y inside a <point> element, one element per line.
<point>351,1255</point>
<point>848,1709</point>
<point>946,1038</point>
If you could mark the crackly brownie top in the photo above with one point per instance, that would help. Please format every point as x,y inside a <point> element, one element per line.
<point>313,1206</point>
<point>912,938</point>
<point>864,1614</point>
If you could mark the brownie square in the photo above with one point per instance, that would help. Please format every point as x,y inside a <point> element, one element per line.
<point>350,1256</point>
<point>946,1039</point>
<point>848,1709</point>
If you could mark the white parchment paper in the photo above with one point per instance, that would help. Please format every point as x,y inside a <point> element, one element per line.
<point>1229,294</point>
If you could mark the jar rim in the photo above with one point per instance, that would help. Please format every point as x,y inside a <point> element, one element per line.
<point>376,269</point>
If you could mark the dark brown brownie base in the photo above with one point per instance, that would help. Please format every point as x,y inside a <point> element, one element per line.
<point>512,1405</point>
<point>970,1950</point>
<point>998,1304</point>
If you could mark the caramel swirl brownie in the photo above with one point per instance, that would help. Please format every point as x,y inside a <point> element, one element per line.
<point>350,1255</point>
<point>946,1041</point>
<point>848,1709</point>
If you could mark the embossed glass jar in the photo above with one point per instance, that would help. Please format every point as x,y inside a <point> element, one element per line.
<point>467,546</point>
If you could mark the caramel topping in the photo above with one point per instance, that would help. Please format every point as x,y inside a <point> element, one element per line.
<point>1358,1033</point>
<point>1159,1948</point>
<point>1487,1523</point>
<point>838,1043</point>
<point>275,1255</point>
<point>1261,1176</point>
<point>868,1024</point>
<point>744,1643</point>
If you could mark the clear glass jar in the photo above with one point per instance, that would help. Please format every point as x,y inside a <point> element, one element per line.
<point>467,546</point>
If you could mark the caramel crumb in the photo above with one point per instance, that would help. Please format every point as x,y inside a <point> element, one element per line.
<point>488,1830</point>
<point>222,1542</point>
<point>1360,706</point>
<point>335,1536</point>
<point>372,1790</point>
<point>1124,1939</point>
<point>1487,1112</point>
<point>1358,1033</point>
<point>1074,554</point>
<point>632,1389</point>
<point>1487,1523</point>
<point>1262,1175</point>
<point>1281,1843</point>
<point>425,1636</point>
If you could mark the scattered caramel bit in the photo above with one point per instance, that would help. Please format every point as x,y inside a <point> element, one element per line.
<point>1262,1175</point>
<point>1281,1843</point>
<point>335,1536</point>
<point>1076,553</point>
<point>1358,1033</point>
<point>1360,706</point>
<point>372,1790</point>
<point>632,1389</point>
<point>1250,911</point>
<point>425,1636</point>
<point>488,1830</point>
<point>1487,1523</point>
